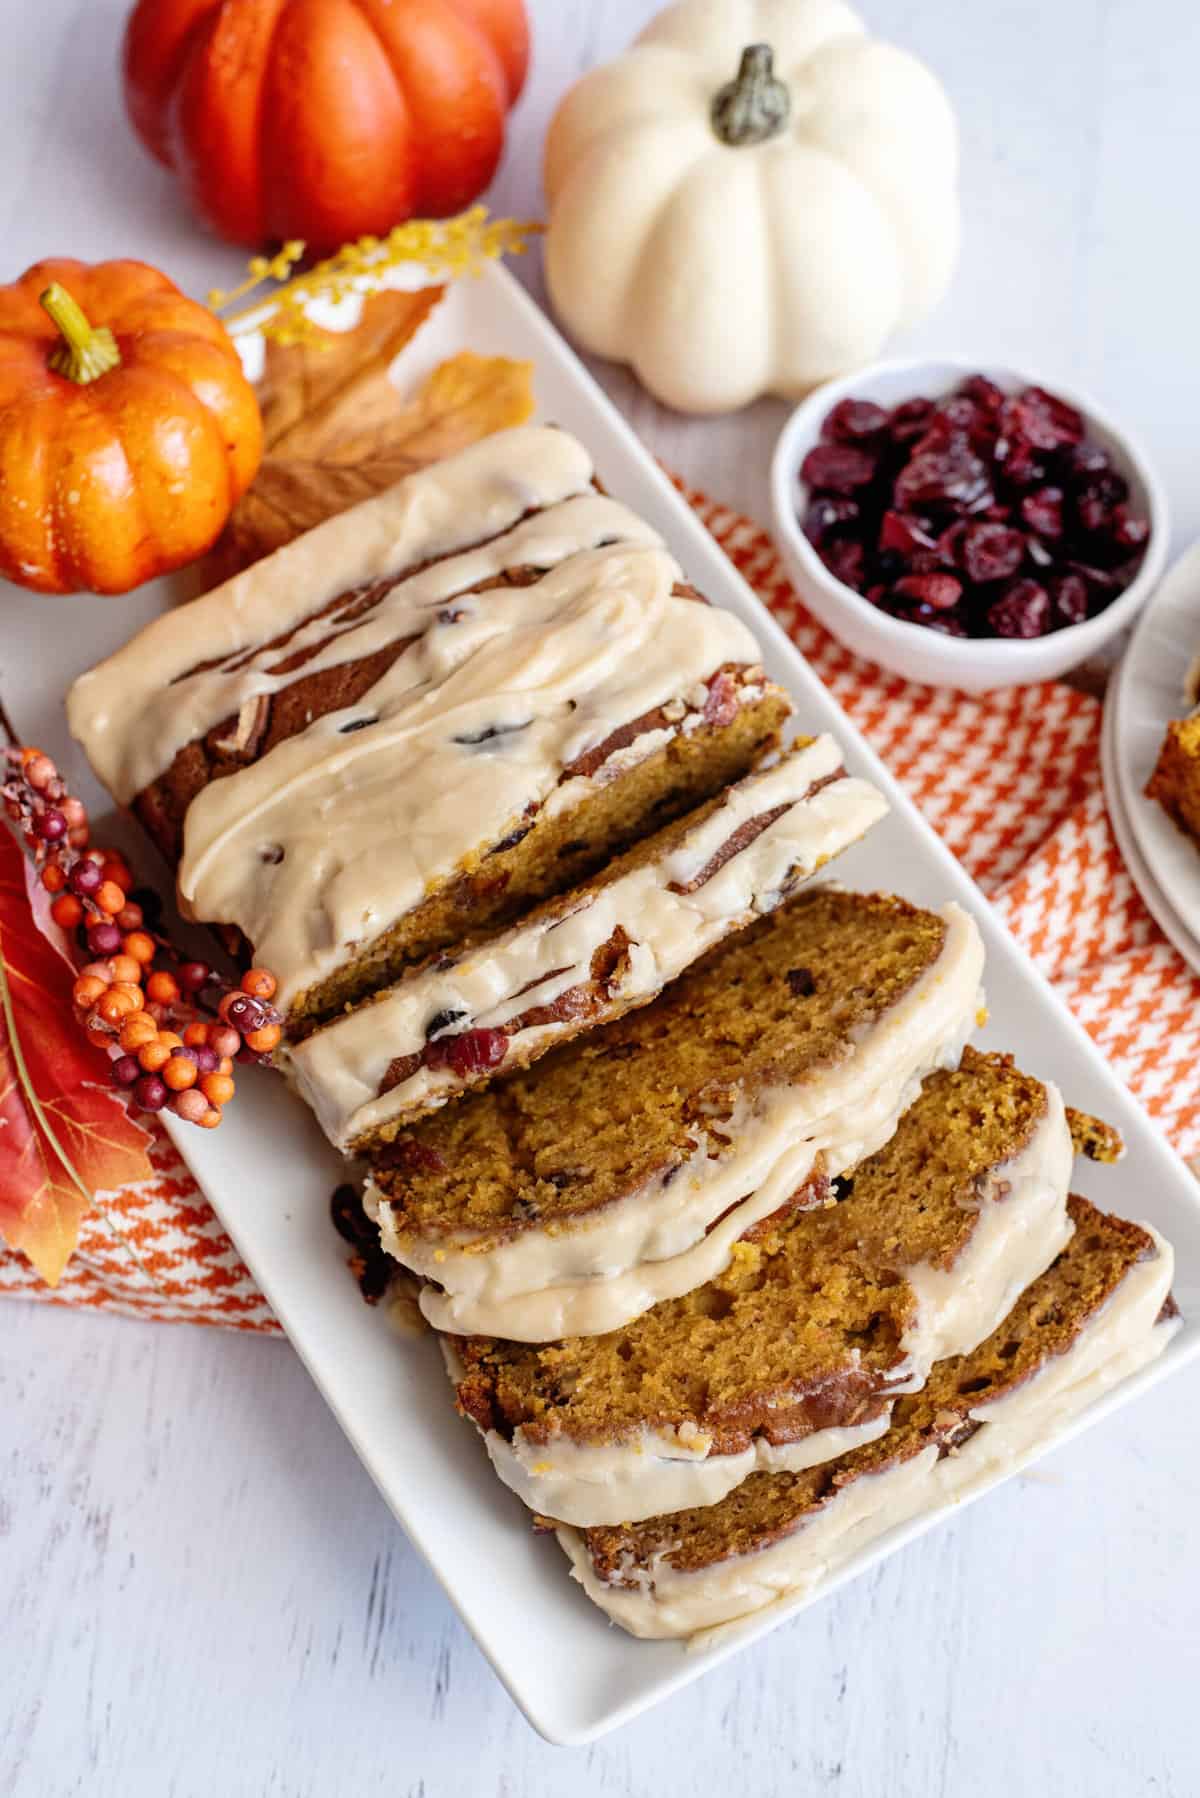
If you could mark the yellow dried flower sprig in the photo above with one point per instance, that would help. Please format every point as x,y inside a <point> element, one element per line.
<point>259,269</point>
<point>447,247</point>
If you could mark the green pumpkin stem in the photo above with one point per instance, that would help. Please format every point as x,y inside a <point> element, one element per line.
<point>86,351</point>
<point>754,106</point>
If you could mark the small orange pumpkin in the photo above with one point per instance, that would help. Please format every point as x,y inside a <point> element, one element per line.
<point>324,119</point>
<point>127,428</point>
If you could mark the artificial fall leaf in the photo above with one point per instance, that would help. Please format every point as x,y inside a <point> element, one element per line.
<point>65,1136</point>
<point>464,399</point>
<point>313,393</point>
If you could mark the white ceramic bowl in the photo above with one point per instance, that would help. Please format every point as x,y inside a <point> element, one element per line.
<point>972,664</point>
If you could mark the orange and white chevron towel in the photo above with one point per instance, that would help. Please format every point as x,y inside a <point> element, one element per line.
<point>1011,781</point>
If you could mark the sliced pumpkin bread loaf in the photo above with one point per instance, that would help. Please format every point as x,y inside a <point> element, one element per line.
<point>798,1349</point>
<point>425,715</point>
<point>622,1169</point>
<point>586,957</point>
<point>1101,1311</point>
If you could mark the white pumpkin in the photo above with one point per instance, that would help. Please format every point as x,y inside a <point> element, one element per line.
<point>767,262</point>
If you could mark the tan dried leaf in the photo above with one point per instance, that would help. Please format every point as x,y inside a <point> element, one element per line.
<point>312,393</point>
<point>466,398</point>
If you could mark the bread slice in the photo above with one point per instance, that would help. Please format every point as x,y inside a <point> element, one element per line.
<point>797,1351</point>
<point>1175,782</point>
<point>622,1169</point>
<point>1097,1315</point>
<point>585,958</point>
<point>425,715</point>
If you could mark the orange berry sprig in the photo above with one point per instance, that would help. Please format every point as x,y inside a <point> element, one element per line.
<point>135,996</point>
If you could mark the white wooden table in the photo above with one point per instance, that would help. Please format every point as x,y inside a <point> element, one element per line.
<point>200,1591</point>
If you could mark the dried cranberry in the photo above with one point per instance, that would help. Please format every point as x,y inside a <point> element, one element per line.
<point>932,618</point>
<point>958,413</point>
<point>904,534</point>
<point>1069,595</point>
<point>950,475</point>
<point>925,561</point>
<point>1042,419</point>
<point>846,560</point>
<point>826,515</point>
<point>1129,529</point>
<point>950,624</point>
<point>349,1219</point>
<point>909,420</point>
<point>372,1266</point>
<point>938,590</point>
<point>411,1157</point>
<point>1127,572</point>
<point>854,421</point>
<point>1023,610</point>
<point>1103,584</point>
<point>1081,461</point>
<point>1022,466</point>
<point>985,393</point>
<point>470,1052</point>
<point>991,552</point>
<point>1042,511</point>
<point>951,541</point>
<point>837,468</point>
<point>1094,511</point>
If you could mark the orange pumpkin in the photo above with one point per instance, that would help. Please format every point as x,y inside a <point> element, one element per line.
<point>127,428</point>
<point>324,120</point>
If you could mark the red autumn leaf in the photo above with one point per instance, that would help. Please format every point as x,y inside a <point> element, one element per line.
<point>65,1136</point>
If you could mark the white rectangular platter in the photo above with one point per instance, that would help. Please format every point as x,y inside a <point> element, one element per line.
<point>269,1175</point>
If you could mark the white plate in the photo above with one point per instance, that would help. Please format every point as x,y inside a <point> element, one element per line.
<point>1116,788</point>
<point>269,1174</point>
<point>1147,690</point>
